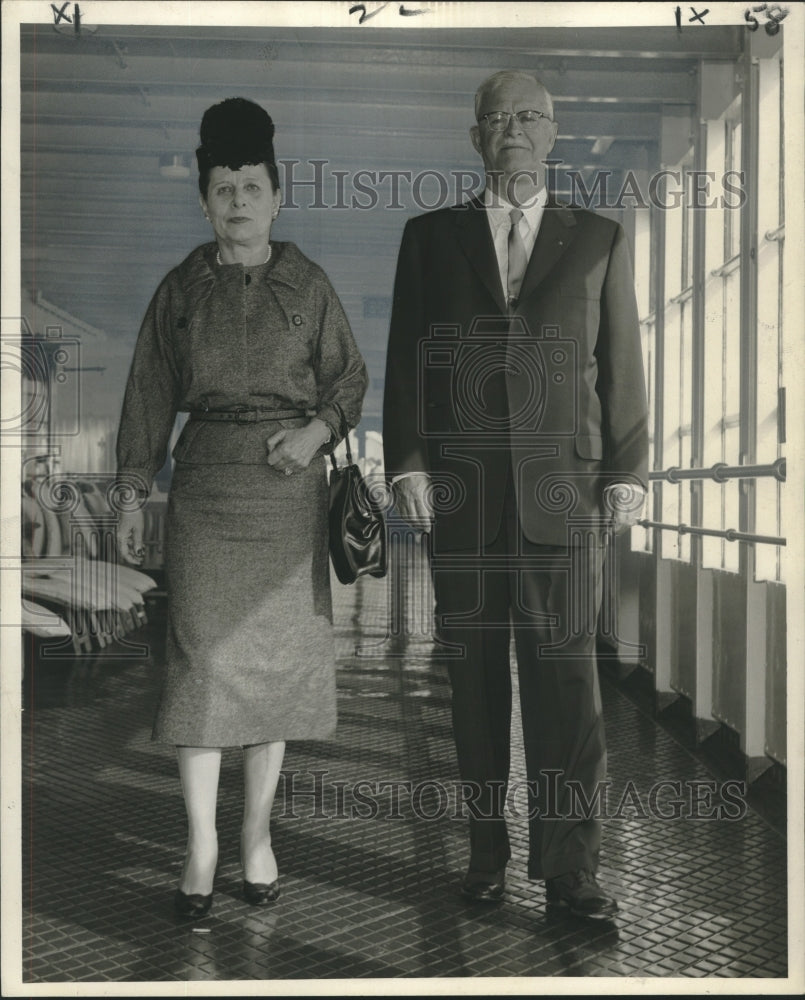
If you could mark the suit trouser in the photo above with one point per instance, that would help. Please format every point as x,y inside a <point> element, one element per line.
<point>550,596</point>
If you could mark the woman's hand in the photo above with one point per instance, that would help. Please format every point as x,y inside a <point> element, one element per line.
<point>130,537</point>
<point>292,448</point>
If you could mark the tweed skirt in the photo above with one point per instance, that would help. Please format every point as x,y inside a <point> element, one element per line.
<point>250,648</point>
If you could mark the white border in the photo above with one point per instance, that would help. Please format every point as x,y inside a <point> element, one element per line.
<point>441,15</point>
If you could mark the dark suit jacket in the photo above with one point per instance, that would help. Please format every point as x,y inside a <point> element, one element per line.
<point>554,391</point>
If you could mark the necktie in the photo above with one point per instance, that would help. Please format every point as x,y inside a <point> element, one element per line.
<point>518,259</point>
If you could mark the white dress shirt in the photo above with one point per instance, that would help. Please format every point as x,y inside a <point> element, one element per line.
<point>497,214</point>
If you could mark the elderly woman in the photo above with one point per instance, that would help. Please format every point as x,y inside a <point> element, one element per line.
<point>249,337</point>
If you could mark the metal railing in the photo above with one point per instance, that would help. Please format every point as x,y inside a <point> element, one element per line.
<point>730,534</point>
<point>721,472</point>
<point>729,265</point>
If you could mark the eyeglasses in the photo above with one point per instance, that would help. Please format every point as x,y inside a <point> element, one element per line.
<point>498,121</point>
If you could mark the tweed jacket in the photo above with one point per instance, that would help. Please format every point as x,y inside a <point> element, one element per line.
<point>198,349</point>
<point>551,393</point>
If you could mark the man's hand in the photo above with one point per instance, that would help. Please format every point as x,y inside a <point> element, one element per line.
<point>130,537</point>
<point>411,494</point>
<point>293,448</point>
<point>624,502</point>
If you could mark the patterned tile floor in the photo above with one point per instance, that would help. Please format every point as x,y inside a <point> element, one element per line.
<point>369,884</point>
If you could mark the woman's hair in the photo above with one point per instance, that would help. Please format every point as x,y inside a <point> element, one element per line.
<point>235,132</point>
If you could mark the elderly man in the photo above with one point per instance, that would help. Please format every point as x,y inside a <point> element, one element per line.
<point>515,431</point>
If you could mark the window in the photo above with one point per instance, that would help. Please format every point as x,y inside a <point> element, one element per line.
<point>770,387</point>
<point>678,372</point>
<point>642,538</point>
<point>722,342</point>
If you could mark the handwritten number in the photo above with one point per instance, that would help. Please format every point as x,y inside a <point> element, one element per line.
<point>695,16</point>
<point>774,15</point>
<point>365,15</point>
<point>362,8</point>
<point>359,7</point>
<point>59,15</point>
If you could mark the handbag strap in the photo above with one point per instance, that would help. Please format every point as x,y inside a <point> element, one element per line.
<point>349,454</point>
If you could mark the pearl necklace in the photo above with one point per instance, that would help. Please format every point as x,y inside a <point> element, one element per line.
<point>268,256</point>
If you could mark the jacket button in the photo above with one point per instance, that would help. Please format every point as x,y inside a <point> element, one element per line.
<point>297,320</point>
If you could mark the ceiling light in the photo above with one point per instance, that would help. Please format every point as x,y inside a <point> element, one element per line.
<point>175,166</point>
<point>601,145</point>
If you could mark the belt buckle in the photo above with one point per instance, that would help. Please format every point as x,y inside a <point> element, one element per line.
<point>238,411</point>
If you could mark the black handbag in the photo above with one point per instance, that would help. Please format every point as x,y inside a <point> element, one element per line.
<point>358,543</point>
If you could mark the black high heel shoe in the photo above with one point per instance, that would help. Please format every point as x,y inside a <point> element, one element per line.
<point>193,906</point>
<point>260,894</point>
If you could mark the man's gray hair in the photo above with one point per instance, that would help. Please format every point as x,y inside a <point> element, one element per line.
<point>508,74</point>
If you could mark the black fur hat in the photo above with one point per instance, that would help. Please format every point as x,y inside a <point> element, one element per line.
<point>235,132</point>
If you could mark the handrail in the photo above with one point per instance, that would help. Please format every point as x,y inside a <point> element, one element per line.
<point>684,295</point>
<point>727,267</point>
<point>730,534</point>
<point>721,472</point>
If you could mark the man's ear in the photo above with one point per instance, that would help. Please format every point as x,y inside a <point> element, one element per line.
<point>553,137</point>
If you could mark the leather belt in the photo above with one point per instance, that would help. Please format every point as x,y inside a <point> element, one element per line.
<point>249,415</point>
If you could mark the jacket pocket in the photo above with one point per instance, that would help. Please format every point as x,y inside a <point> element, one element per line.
<point>589,447</point>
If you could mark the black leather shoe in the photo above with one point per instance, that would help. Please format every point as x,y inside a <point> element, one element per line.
<point>260,894</point>
<point>486,887</point>
<point>583,895</point>
<point>193,906</point>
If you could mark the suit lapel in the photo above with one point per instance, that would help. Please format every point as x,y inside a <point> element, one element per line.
<point>556,232</point>
<point>473,233</point>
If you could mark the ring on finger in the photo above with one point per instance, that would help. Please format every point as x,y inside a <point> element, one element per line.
<point>288,470</point>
